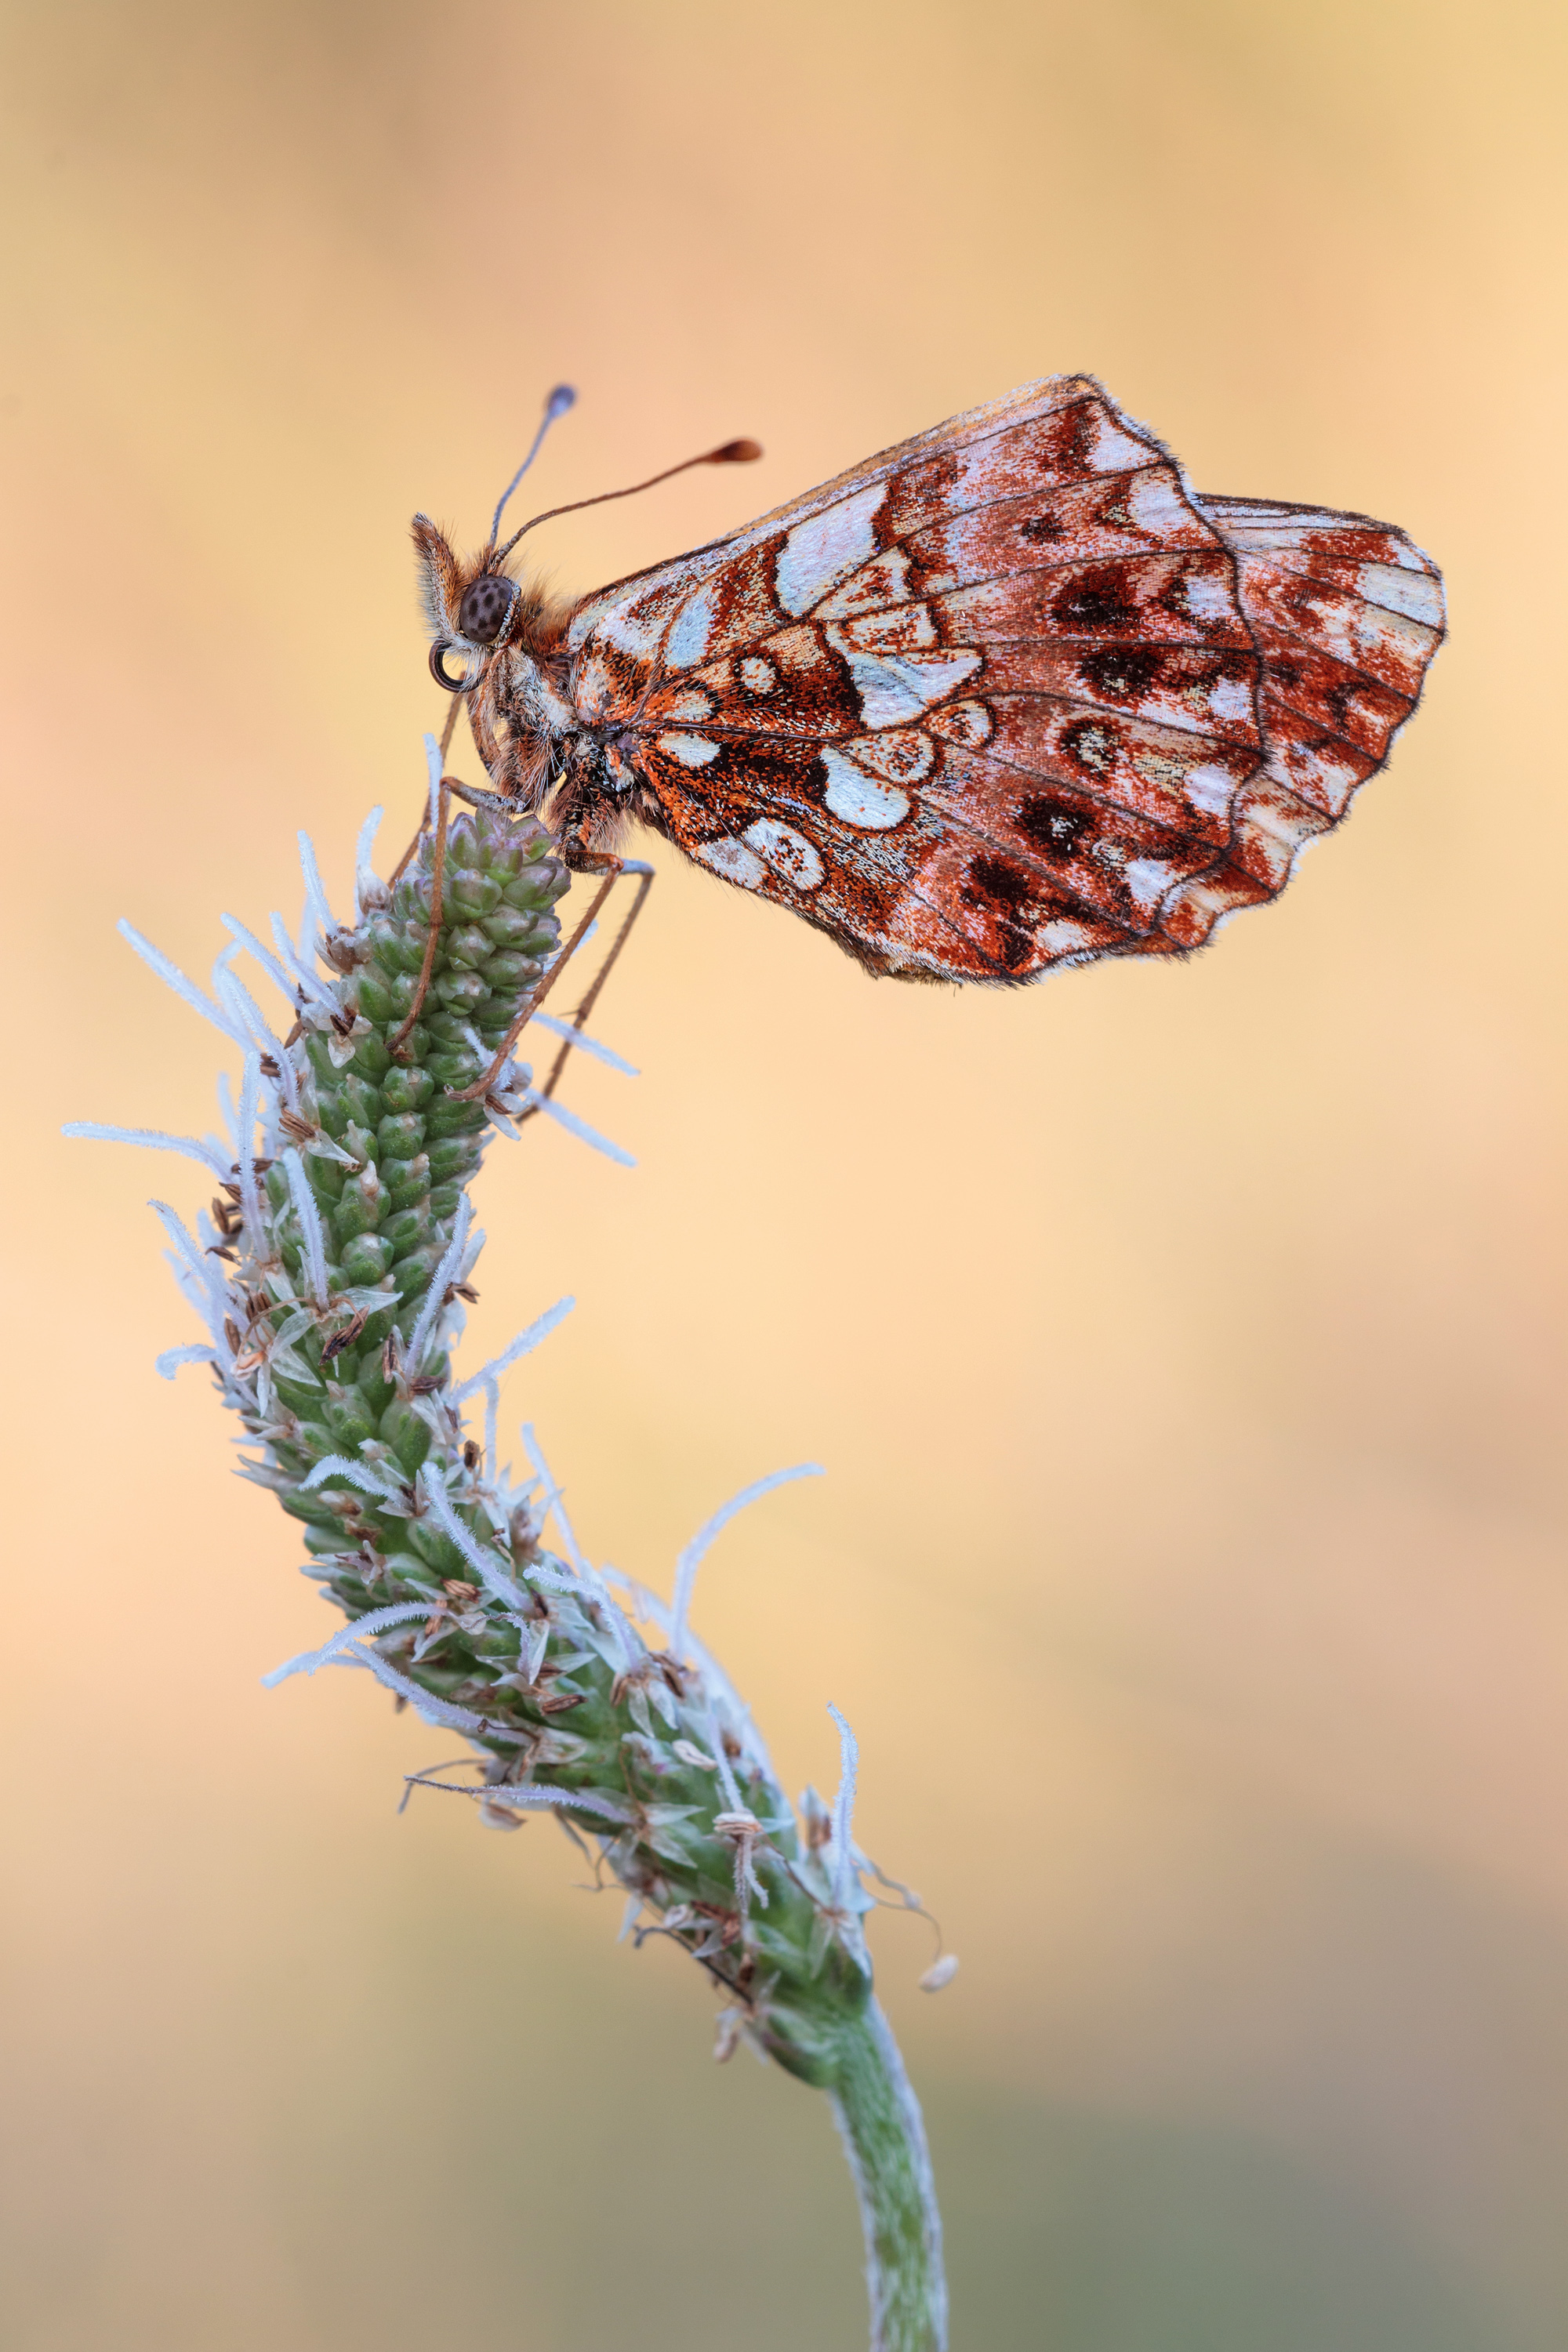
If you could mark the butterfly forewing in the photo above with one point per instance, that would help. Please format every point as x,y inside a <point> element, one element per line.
<point>1011,695</point>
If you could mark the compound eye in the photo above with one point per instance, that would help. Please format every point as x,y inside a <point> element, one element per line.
<point>486,608</point>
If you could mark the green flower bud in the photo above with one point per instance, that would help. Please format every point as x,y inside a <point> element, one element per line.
<point>409,1436</point>
<point>507,970</point>
<point>399,1135</point>
<point>365,1259</point>
<point>461,991</point>
<point>468,948</point>
<point>405,1089</point>
<point>473,895</point>
<point>447,1116</point>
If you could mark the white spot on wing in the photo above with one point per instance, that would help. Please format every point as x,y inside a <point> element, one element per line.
<point>757,676</point>
<point>1210,789</point>
<point>692,628</point>
<point>896,687</point>
<point>734,861</point>
<point>1415,593</point>
<point>1112,450</point>
<point>1158,507</point>
<point>787,852</point>
<point>690,704</point>
<point>691,750</point>
<point>1230,699</point>
<point>636,629</point>
<point>827,548</point>
<point>858,798</point>
<point>591,688</point>
<point>1147,880</point>
<point>1206,596</point>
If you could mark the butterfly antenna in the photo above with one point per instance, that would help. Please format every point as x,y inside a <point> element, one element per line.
<point>733,453</point>
<point>559,401</point>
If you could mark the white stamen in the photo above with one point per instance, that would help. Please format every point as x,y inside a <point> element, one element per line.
<point>301,961</point>
<point>315,892</point>
<point>583,1801</point>
<point>358,1629</point>
<point>691,1558</point>
<point>151,1139</point>
<point>584,1044</point>
<point>197,1271</point>
<point>484,1563</point>
<point>363,1475</point>
<point>550,1500</point>
<point>844,1811</point>
<point>249,1189</point>
<point>445,1273</point>
<point>523,1345</point>
<point>577,1127</point>
<point>492,1407</point>
<point>236,1000</point>
<point>366,877</point>
<point>311,1236</point>
<point>172,977</point>
<point>727,1779</point>
<point>284,981</point>
<point>433,1710</point>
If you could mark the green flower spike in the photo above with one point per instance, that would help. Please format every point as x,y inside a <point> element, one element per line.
<point>330,1278</point>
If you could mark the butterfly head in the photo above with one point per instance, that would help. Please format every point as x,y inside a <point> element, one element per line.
<point>473,609</point>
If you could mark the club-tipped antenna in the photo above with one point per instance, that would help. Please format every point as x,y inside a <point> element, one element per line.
<point>731,453</point>
<point>558,402</point>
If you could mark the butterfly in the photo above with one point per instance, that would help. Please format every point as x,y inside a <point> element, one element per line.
<point>1008,697</point>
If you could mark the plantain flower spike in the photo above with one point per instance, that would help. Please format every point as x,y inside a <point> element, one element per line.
<point>329,1278</point>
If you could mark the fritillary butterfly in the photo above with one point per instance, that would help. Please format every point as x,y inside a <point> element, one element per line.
<point>1008,697</point>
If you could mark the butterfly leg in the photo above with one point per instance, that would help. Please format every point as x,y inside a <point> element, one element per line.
<point>437,871</point>
<point>592,861</point>
<point>644,877</point>
<point>476,798</point>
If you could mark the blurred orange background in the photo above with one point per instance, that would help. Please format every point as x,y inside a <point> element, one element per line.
<point>1184,1343</point>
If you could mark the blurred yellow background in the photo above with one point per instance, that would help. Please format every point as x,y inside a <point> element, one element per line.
<point>1184,1343</point>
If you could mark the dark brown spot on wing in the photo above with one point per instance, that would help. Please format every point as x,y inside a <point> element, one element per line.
<point>1055,827</point>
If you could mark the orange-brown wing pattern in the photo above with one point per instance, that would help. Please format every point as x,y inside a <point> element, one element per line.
<point>999,699</point>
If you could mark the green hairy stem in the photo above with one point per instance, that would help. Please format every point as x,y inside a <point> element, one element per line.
<point>331,1285</point>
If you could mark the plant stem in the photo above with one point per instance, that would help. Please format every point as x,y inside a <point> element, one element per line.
<point>884,2139</point>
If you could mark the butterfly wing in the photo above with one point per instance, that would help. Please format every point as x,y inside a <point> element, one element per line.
<point>991,702</point>
<point>1347,614</point>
